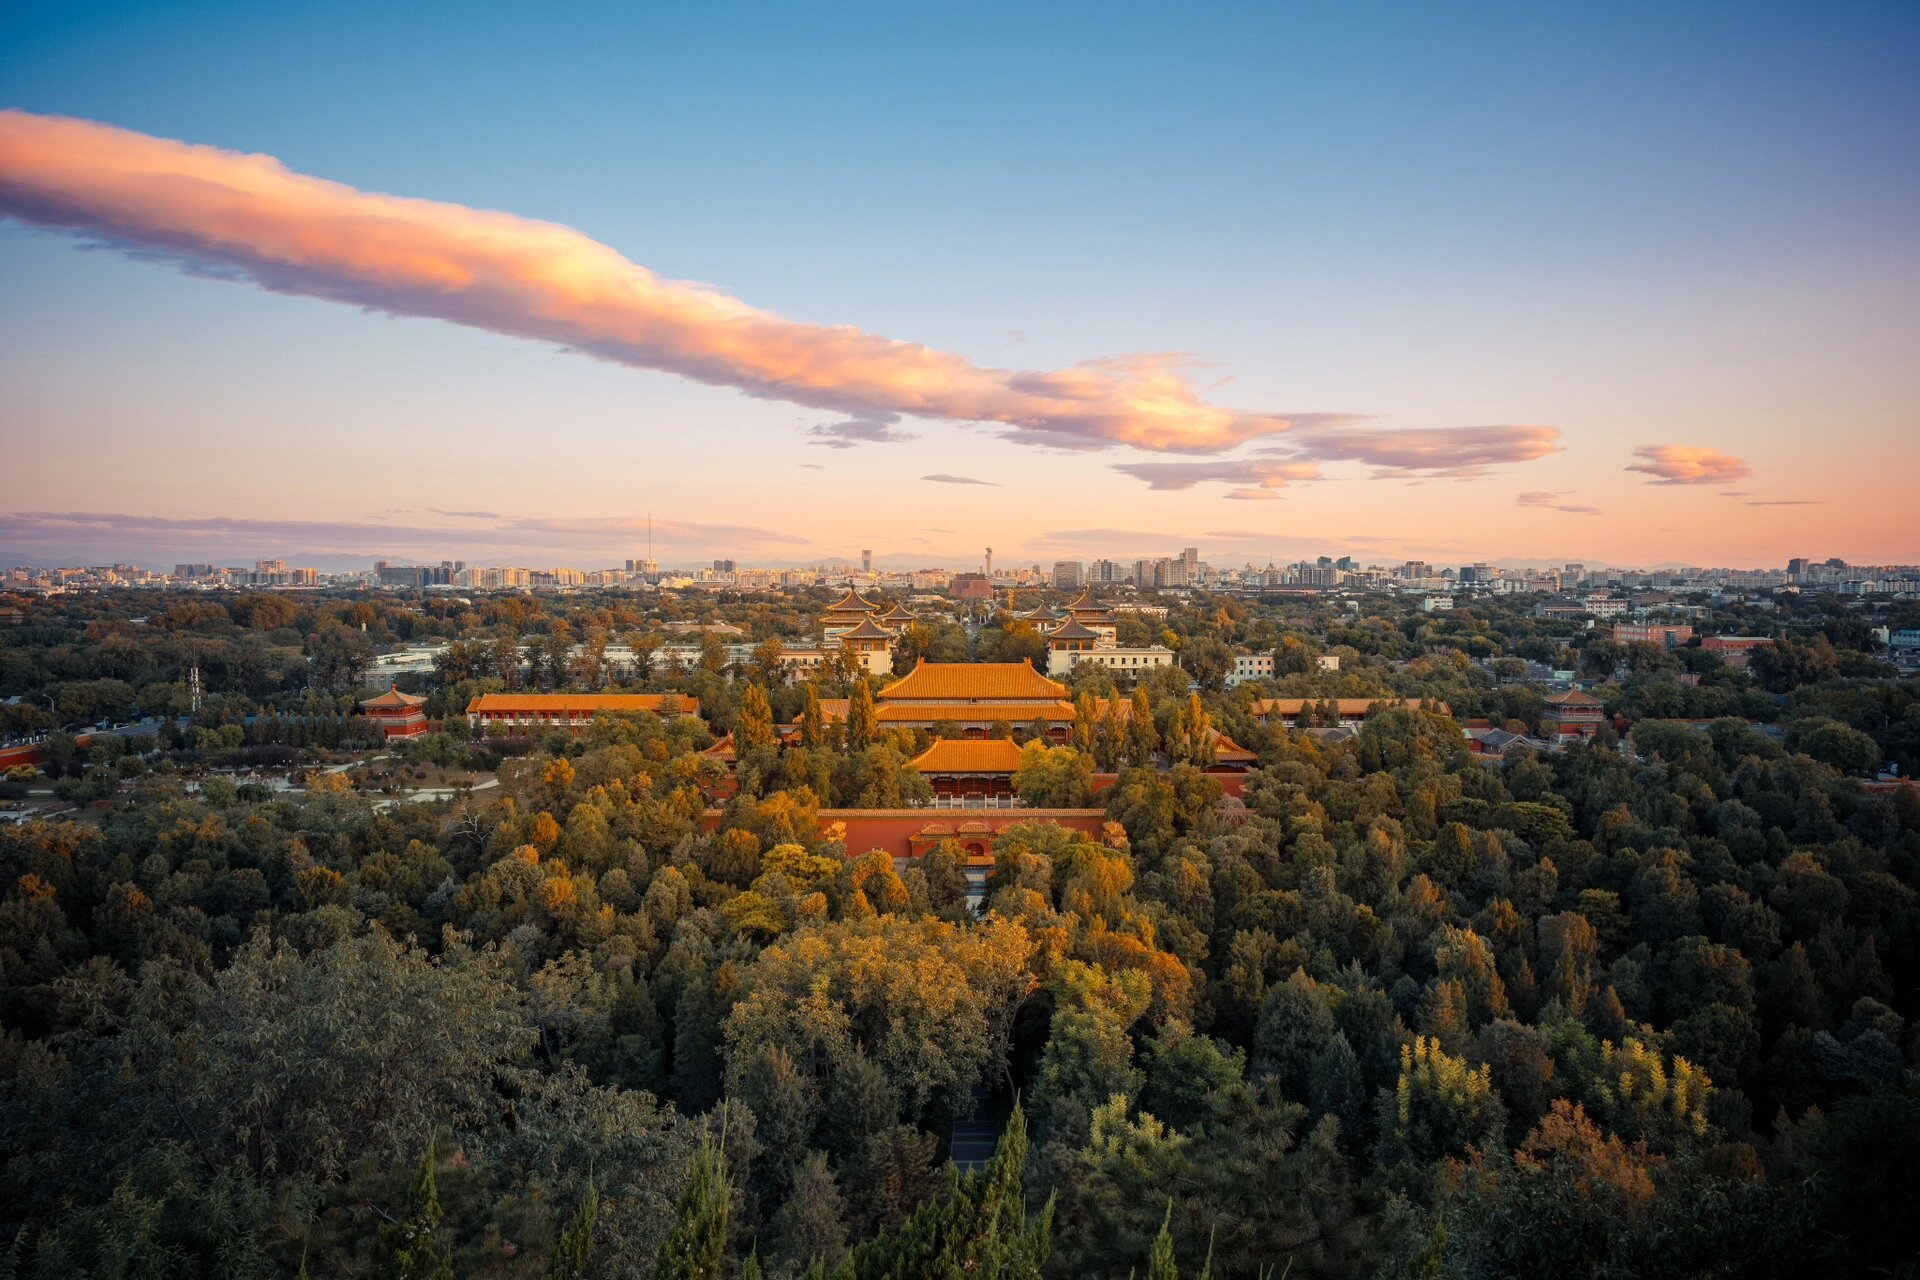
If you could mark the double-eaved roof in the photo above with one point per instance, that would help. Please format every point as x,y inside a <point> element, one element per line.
<point>867,630</point>
<point>852,602</point>
<point>392,698</point>
<point>1073,629</point>
<point>974,682</point>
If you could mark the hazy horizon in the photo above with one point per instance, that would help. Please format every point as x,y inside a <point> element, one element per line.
<point>1632,287</point>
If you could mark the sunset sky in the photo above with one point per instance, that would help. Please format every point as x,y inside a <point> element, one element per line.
<point>1631,285</point>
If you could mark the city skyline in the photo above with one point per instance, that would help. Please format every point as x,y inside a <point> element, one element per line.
<point>1594,289</point>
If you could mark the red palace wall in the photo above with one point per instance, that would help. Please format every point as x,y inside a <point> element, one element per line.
<point>893,829</point>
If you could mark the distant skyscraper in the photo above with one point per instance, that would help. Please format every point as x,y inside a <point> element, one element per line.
<point>866,562</point>
<point>1067,575</point>
<point>1190,557</point>
<point>989,565</point>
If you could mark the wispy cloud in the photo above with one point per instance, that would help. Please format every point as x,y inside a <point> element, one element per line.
<point>1551,501</point>
<point>859,431</point>
<point>250,218</point>
<point>1243,473</point>
<point>1688,464</point>
<point>116,534</point>
<point>1461,452</point>
<point>1786,502</point>
<point>940,477</point>
<point>464,515</point>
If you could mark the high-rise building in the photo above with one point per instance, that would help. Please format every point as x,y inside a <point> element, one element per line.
<point>866,562</point>
<point>1190,558</point>
<point>989,565</point>
<point>1067,575</point>
<point>1105,573</point>
<point>1797,568</point>
<point>723,566</point>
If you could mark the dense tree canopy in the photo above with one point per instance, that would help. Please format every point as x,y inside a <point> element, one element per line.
<point>271,1001</point>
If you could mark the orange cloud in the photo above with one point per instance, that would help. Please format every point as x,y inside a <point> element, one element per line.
<point>1688,464</point>
<point>250,216</point>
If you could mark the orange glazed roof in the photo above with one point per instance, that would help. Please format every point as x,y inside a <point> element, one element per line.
<point>982,681</point>
<point>1574,698</point>
<point>867,630</point>
<point>1227,751</point>
<point>393,698</point>
<point>1348,706</point>
<point>852,602</point>
<point>1087,604</point>
<point>661,703</point>
<point>1073,629</point>
<point>960,755</point>
<point>1014,713</point>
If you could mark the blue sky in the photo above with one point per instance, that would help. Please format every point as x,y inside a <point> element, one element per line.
<point>1641,225</point>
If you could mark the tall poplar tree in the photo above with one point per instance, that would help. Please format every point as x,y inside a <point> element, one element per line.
<point>813,720</point>
<point>754,729</point>
<point>860,719</point>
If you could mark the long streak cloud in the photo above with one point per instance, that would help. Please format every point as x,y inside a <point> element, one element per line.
<point>251,217</point>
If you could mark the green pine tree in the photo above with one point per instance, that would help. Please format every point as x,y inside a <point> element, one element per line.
<point>1160,1263</point>
<point>412,1244</point>
<point>696,1245</point>
<point>978,1230</point>
<point>574,1249</point>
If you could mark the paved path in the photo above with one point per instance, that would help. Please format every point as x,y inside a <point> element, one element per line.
<point>976,1134</point>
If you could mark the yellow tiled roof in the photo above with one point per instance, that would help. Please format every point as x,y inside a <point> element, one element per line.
<point>961,755</point>
<point>1227,751</point>
<point>1014,713</point>
<point>977,681</point>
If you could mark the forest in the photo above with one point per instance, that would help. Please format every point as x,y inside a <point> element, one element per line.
<point>1645,1006</point>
